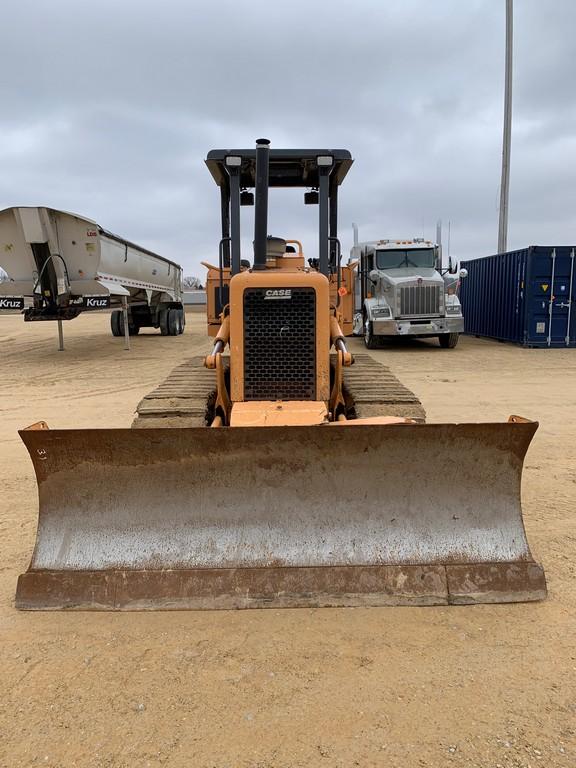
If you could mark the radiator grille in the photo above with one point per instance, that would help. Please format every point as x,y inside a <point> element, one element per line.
<point>280,345</point>
<point>419,300</point>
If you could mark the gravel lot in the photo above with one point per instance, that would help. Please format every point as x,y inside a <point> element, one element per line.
<point>483,686</point>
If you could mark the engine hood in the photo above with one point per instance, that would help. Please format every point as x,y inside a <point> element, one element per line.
<point>411,276</point>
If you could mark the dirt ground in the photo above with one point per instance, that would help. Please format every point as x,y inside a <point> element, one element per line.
<point>483,686</point>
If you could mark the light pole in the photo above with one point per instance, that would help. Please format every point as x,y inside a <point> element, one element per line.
<point>505,182</point>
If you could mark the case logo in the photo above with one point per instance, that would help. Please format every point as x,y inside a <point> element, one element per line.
<point>278,293</point>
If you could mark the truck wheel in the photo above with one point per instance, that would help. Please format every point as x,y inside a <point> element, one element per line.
<point>182,315</point>
<point>117,324</point>
<point>173,322</point>
<point>115,318</point>
<point>163,321</point>
<point>180,321</point>
<point>369,339</point>
<point>448,340</point>
<point>132,327</point>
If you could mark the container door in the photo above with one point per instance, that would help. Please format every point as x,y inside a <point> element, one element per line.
<point>571,322</point>
<point>552,287</point>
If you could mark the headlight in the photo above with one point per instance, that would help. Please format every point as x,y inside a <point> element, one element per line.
<point>381,312</point>
<point>453,309</point>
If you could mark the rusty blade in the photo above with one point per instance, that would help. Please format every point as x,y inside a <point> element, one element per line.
<point>157,500</point>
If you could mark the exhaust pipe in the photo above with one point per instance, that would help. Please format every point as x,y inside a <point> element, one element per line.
<point>439,243</point>
<point>261,203</point>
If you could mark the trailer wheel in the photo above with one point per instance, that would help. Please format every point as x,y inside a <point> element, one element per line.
<point>163,321</point>
<point>182,317</point>
<point>369,339</point>
<point>118,324</point>
<point>115,319</point>
<point>448,340</point>
<point>173,322</point>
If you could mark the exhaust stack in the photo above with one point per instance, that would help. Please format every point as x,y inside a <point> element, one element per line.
<point>261,203</point>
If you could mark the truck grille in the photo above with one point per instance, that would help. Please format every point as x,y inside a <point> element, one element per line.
<point>418,300</point>
<point>280,344</point>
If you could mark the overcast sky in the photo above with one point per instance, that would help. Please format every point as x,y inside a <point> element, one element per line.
<point>108,109</point>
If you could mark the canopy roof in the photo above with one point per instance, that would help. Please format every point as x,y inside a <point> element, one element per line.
<point>288,167</point>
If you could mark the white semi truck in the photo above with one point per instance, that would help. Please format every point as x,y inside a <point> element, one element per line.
<point>60,264</point>
<point>402,290</point>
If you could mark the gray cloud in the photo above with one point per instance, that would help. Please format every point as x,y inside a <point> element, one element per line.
<point>110,109</point>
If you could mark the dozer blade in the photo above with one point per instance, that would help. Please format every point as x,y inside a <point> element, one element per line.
<point>280,516</point>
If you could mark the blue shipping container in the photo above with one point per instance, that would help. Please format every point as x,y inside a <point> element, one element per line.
<point>526,296</point>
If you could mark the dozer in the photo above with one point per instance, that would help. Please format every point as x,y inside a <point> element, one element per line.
<point>287,495</point>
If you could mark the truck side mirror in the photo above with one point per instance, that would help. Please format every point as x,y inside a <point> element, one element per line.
<point>452,266</point>
<point>463,273</point>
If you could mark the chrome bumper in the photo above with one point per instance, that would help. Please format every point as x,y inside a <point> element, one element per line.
<point>433,327</point>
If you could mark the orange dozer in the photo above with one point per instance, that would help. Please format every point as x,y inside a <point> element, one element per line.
<point>285,498</point>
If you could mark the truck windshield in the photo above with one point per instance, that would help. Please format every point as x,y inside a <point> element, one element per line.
<point>413,257</point>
